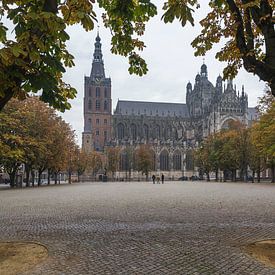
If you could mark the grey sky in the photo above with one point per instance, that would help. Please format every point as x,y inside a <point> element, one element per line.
<point>170,60</point>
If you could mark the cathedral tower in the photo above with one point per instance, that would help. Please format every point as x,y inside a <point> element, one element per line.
<point>97,104</point>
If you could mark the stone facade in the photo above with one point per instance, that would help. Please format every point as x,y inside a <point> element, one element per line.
<point>171,129</point>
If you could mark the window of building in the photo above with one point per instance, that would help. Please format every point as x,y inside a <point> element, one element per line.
<point>90,92</point>
<point>105,105</point>
<point>146,131</point>
<point>97,132</point>
<point>120,131</point>
<point>105,136</point>
<point>105,92</point>
<point>177,161</point>
<point>89,124</point>
<point>97,92</point>
<point>97,121</point>
<point>189,161</point>
<point>157,131</point>
<point>105,121</point>
<point>164,161</point>
<point>133,129</point>
<point>97,105</point>
<point>90,104</point>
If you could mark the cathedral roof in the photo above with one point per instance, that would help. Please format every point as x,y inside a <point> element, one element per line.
<point>151,108</point>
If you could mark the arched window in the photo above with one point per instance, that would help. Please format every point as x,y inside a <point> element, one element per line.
<point>164,161</point>
<point>105,92</point>
<point>167,132</point>
<point>120,131</point>
<point>90,91</point>
<point>146,131</point>
<point>97,92</point>
<point>157,131</point>
<point>90,104</point>
<point>189,161</point>
<point>97,105</point>
<point>177,161</point>
<point>133,130</point>
<point>89,124</point>
<point>105,105</point>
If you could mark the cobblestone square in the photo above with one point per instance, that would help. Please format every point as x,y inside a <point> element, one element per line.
<point>141,228</point>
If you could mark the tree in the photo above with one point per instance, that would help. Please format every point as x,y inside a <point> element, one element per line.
<point>112,159</point>
<point>94,162</point>
<point>32,134</point>
<point>80,160</point>
<point>264,137</point>
<point>247,26</point>
<point>36,58</point>
<point>256,160</point>
<point>144,160</point>
<point>202,158</point>
<point>15,141</point>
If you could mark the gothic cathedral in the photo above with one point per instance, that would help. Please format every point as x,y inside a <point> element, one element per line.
<point>171,129</point>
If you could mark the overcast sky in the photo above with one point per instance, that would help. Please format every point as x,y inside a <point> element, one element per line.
<point>170,60</point>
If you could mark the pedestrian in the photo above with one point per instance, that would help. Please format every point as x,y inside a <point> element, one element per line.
<point>158,179</point>
<point>162,179</point>
<point>153,178</point>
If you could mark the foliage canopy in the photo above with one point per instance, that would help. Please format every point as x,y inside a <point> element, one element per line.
<point>36,58</point>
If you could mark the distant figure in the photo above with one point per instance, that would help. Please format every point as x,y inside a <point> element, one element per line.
<point>158,179</point>
<point>154,179</point>
<point>162,179</point>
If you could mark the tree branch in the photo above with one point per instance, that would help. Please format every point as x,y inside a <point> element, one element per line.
<point>249,32</point>
<point>4,100</point>
<point>50,6</point>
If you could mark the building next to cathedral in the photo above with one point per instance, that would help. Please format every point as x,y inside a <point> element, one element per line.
<point>171,129</point>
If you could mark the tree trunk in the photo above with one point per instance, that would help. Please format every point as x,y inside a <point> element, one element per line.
<point>78,177</point>
<point>217,175</point>
<point>207,176</point>
<point>224,176</point>
<point>8,94</point>
<point>55,177</point>
<point>49,177</point>
<point>246,173</point>
<point>33,177</point>
<point>273,173</point>
<point>253,175</point>
<point>70,177</point>
<point>39,177</point>
<point>259,175</point>
<point>27,169</point>
<point>12,175</point>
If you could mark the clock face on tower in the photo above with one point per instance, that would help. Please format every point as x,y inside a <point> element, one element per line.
<point>97,79</point>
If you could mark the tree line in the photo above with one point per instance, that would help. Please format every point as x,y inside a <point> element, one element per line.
<point>35,58</point>
<point>32,134</point>
<point>240,148</point>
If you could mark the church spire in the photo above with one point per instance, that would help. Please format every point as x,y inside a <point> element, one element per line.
<point>204,70</point>
<point>97,65</point>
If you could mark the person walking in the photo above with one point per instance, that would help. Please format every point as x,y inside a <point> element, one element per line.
<point>154,179</point>
<point>162,179</point>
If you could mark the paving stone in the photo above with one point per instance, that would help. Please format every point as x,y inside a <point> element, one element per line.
<point>140,228</point>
